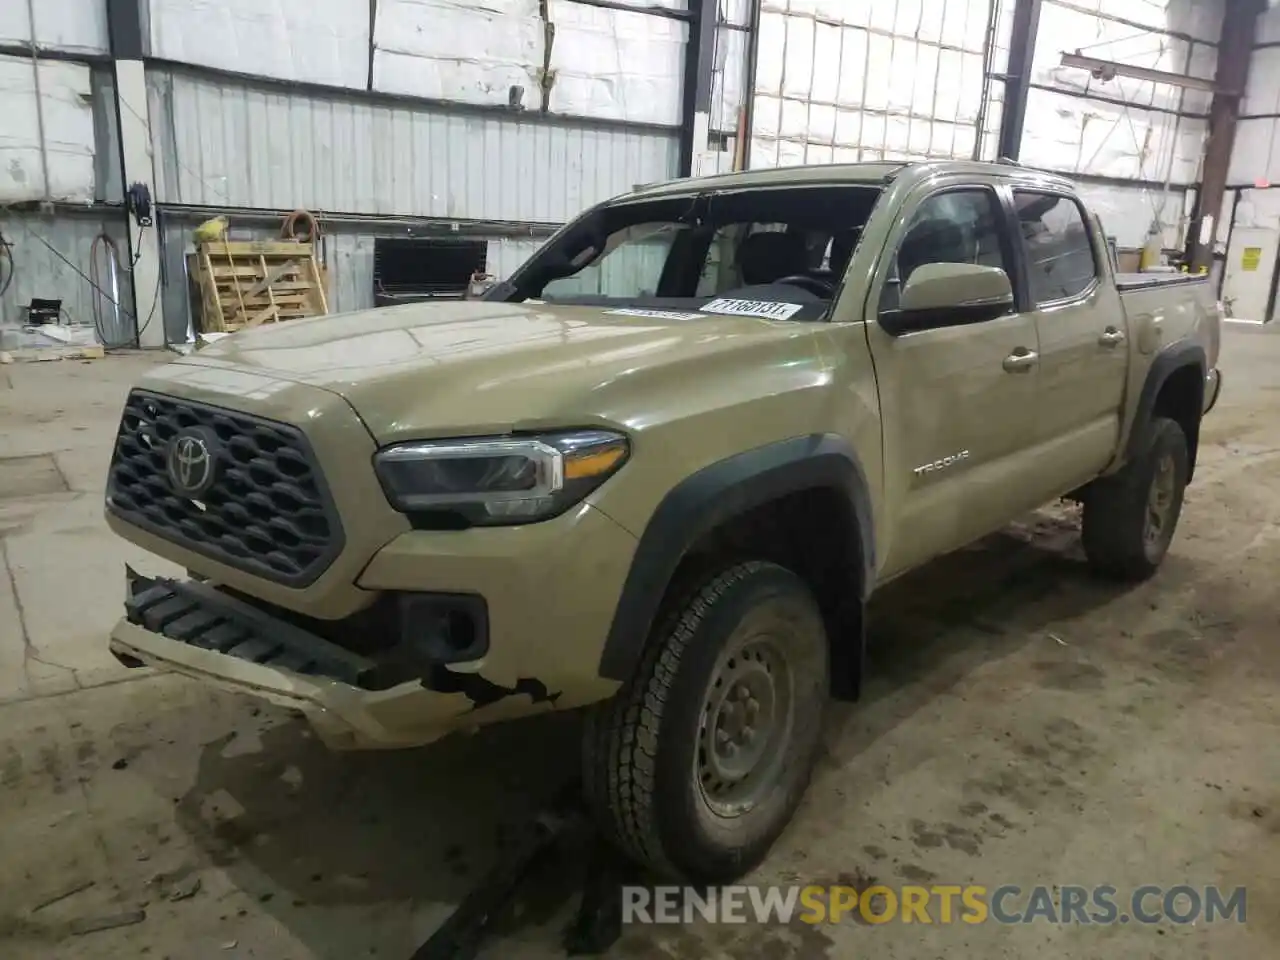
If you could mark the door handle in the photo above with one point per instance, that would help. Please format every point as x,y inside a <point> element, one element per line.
<point>1021,360</point>
<point>1111,337</point>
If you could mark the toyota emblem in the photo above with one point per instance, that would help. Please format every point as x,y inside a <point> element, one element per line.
<point>191,463</point>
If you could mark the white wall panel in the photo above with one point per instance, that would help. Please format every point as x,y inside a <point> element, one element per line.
<point>736,11</point>
<point>620,66</point>
<point>907,83</point>
<point>1259,208</point>
<point>68,131</point>
<point>733,47</point>
<point>1269,25</point>
<point>1090,137</point>
<point>316,41</point>
<point>243,145</point>
<point>840,82</point>
<point>1199,19</point>
<point>1124,128</point>
<point>463,50</point>
<point>1064,29</point>
<point>1128,212</point>
<point>1256,153</point>
<point>604,64</point>
<point>1256,156</point>
<point>1262,91</point>
<point>76,26</point>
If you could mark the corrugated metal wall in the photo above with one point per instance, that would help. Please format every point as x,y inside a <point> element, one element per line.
<point>350,259</point>
<point>240,144</point>
<point>39,272</point>
<point>347,251</point>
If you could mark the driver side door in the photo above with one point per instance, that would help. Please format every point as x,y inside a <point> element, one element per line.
<point>958,395</point>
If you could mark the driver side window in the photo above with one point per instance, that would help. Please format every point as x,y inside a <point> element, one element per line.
<point>959,226</point>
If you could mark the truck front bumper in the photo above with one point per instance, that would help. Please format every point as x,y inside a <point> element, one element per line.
<point>544,606</point>
<point>193,629</point>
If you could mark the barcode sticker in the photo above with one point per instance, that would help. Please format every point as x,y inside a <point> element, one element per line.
<point>770,310</point>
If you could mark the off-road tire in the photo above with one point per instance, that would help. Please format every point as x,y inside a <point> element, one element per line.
<point>1115,526</point>
<point>642,749</point>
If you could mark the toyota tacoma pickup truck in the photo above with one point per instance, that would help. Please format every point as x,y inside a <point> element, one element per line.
<point>657,472</point>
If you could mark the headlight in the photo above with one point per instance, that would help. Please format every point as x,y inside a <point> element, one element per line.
<point>499,480</point>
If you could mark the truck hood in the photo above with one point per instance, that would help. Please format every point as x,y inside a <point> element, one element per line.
<point>467,367</point>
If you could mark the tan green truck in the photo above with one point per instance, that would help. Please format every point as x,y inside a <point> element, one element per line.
<point>657,473</point>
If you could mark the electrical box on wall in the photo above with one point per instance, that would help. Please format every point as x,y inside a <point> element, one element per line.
<point>411,270</point>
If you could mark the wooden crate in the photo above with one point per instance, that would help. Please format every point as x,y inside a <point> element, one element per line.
<point>247,283</point>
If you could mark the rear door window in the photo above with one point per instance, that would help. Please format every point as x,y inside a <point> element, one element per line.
<point>1059,252</point>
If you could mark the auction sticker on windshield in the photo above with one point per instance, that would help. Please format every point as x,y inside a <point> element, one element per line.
<point>770,310</point>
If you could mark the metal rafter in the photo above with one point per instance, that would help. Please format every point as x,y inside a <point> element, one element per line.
<point>1109,69</point>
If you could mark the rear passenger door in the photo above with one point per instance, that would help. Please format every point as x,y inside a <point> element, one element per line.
<point>959,397</point>
<point>1080,325</point>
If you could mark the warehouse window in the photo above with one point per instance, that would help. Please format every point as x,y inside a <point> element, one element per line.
<point>409,269</point>
<point>1060,260</point>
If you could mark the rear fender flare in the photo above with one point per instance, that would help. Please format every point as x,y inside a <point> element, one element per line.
<point>1176,356</point>
<point>713,495</point>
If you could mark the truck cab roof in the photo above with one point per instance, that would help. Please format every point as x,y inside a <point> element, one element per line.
<point>869,174</point>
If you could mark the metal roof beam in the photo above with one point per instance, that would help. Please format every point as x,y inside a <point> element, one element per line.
<point>1110,69</point>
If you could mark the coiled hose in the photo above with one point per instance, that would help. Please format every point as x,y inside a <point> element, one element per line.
<point>289,229</point>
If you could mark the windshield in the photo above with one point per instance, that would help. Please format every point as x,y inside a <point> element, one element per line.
<point>778,253</point>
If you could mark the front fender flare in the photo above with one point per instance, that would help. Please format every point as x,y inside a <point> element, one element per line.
<point>708,498</point>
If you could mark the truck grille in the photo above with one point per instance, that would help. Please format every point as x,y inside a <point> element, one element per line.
<point>267,510</point>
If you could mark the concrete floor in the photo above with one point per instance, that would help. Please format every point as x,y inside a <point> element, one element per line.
<point>1023,725</point>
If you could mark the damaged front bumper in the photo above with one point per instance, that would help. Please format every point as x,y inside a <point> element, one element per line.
<point>402,696</point>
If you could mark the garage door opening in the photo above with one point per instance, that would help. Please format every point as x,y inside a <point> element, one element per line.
<point>411,270</point>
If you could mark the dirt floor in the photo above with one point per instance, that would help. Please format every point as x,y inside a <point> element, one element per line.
<point>1023,725</point>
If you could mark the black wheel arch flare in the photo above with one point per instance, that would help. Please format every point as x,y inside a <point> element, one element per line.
<point>715,494</point>
<point>1176,356</point>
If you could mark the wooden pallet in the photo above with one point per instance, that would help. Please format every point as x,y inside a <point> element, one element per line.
<point>244,284</point>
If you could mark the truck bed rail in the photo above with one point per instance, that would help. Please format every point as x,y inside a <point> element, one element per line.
<point>1139,281</point>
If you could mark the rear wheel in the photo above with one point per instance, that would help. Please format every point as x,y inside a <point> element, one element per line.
<point>700,761</point>
<point>1130,518</point>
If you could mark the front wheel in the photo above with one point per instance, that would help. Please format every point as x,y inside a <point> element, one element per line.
<point>1130,518</point>
<point>697,765</point>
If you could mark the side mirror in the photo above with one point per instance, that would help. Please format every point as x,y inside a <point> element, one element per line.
<point>947,294</point>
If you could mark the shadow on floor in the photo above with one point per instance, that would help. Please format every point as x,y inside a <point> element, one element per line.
<point>318,829</point>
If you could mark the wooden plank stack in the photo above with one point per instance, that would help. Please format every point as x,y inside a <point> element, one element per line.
<point>247,283</point>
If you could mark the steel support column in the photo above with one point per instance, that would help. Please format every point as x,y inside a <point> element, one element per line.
<point>126,37</point>
<point>1239,30</point>
<point>1017,81</point>
<point>699,62</point>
